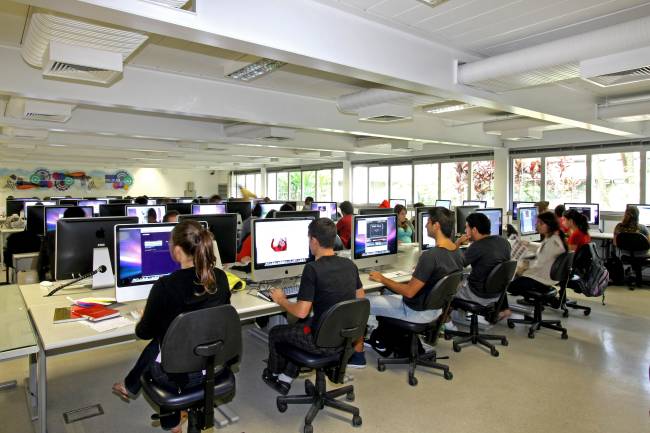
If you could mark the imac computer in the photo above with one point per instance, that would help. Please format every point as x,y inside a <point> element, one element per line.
<point>481,204</point>
<point>590,210</point>
<point>374,240</point>
<point>462,212</point>
<point>280,247</point>
<point>517,204</point>
<point>224,229</point>
<point>142,212</point>
<point>94,203</point>
<point>35,220</point>
<point>29,204</point>
<point>185,200</point>
<point>443,203</point>
<point>181,208</point>
<point>424,240</point>
<point>68,201</point>
<point>496,220</point>
<point>314,214</point>
<point>376,211</point>
<point>152,202</point>
<point>141,257</point>
<point>77,241</point>
<point>527,220</point>
<point>55,213</point>
<point>120,201</point>
<point>327,209</point>
<point>243,208</point>
<point>208,209</point>
<point>268,207</point>
<point>17,206</point>
<point>644,213</point>
<point>112,209</point>
<point>395,201</point>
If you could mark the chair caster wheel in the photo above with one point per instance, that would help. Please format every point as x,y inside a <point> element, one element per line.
<point>565,336</point>
<point>282,407</point>
<point>381,367</point>
<point>456,348</point>
<point>309,388</point>
<point>531,334</point>
<point>565,313</point>
<point>448,375</point>
<point>308,428</point>
<point>511,325</point>
<point>356,420</point>
<point>494,352</point>
<point>413,381</point>
<point>504,342</point>
<point>587,312</point>
<point>349,396</point>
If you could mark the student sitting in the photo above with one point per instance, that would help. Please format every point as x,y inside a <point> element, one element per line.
<point>482,255</point>
<point>328,280</point>
<point>344,224</point>
<point>171,216</point>
<point>215,198</point>
<point>630,223</point>
<point>197,285</point>
<point>404,226</point>
<point>152,216</point>
<point>578,226</point>
<point>308,203</point>
<point>287,207</point>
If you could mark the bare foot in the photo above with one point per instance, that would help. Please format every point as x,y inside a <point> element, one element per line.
<point>120,390</point>
<point>504,315</point>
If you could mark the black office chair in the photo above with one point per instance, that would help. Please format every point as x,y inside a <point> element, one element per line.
<point>496,283</point>
<point>207,339</point>
<point>440,297</point>
<point>581,265</point>
<point>338,244</point>
<point>634,252</point>
<point>339,328</point>
<point>561,272</point>
<point>19,243</point>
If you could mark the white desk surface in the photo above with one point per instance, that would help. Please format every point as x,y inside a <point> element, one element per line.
<point>601,236</point>
<point>17,338</point>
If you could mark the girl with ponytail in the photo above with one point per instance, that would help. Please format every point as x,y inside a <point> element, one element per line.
<point>196,285</point>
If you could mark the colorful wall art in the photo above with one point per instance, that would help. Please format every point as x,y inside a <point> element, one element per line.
<point>63,180</point>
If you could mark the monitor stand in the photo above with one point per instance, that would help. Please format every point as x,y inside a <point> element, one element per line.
<point>217,256</point>
<point>103,280</point>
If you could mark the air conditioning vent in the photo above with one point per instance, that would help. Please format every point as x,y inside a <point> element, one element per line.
<point>623,77</point>
<point>258,132</point>
<point>616,69</point>
<point>176,4</point>
<point>30,134</point>
<point>30,109</point>
<point>274,138</point>
<point>384,118</point>
<point>386,112</point>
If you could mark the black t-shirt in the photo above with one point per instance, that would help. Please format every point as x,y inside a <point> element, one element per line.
<point>326,282</point>
<point>483,256</point>
<point>174,294</point>
<point>433,264</point>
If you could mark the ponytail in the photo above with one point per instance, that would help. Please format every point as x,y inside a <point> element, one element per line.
<point>196,241</point>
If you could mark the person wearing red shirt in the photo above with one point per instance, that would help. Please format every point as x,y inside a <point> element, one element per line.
<point>559,215</point>
<point>344,224</point>
<point>578,229</point>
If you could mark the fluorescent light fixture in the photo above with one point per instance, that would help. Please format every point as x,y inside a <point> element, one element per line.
<point>255,70</point>
<point>439,108</point>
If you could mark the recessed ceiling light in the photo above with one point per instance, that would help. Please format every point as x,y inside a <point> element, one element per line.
<point>439,108</point>
<point>256,70</point>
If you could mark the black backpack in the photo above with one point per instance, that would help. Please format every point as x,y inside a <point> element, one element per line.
<point>389,340</point>
<point>590,276</point>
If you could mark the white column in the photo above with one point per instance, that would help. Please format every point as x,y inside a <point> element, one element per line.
<point>501,178</point>
<point>262,193</point>
<point>347,180</point>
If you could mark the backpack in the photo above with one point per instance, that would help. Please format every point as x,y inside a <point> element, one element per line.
<point>388,340</point>
<point>593,276</point>
<point>616,272</point>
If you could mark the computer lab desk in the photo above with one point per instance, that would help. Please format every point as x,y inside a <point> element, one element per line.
<point>65,338</point>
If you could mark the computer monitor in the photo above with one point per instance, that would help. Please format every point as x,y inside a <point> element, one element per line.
<point>461,216</point>
<point>327,209</point>
<point>443,203</point>
<point>644,213</point>
<point>208,209</point>
<point>314,214</point>
<point>184,200</point>
<point>224,229</point>
<point>152,202</point>
<point>481,204</point>
<point>35,220</point>
<point>181,208</point>
<point>16,206</point>
<point>516,205</point>
<point>76,239</point>
<point>112,209</point>
<point>243,208</point>
<point>280,247</point>
<point>120,201</point>
<point>55,213</point>
<point>396,201</point>
<point>527,220</point>
<point>29,204</point>
<point>142,212</point>
<point>94,203</point>
<point>496,220</point>
<point>267,207</point>
<point>375,240</point>
<point>375,211</point>
<point>141,257</point>
<point>424,240</point>
<point>590,210</point>
<point>68,201</point>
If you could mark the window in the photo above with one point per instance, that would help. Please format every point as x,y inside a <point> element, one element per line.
<point>258,184</point>
<point>483,181</point>
<point>360,182</point>
<point>401,182</point>
<point>324,185</point>
<point>270,186</point>
<point>615,180</point>
<point>566,179</point>
<point>283,186</point>
<point>241,182</point>
<point>453,181</point>
<point>295,186</point>
<point>527,179</point>
<point>308,184</point>
<point>233,185</point>
<point>426,183</point>
<point>337,185</point>
<point>377,184</point>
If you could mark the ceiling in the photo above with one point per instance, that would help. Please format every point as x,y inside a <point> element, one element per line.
<point>174,105</point>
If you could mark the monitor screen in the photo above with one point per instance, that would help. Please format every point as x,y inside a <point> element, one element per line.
<point>185,200</point>
<point>375,211</point>
<point>644,213</point>
<point>243,208</point>
<point>144,211</point>
<point>17,206</point>
<point>152,201</point>
<point>375,235</point>
<point>94,203</point>
<point>326,209</point>
<point>208,209</point>
<point>119,201</point>
<point>141,257</point>
<point>29,204</point>
<point>396,201</point>
<point>496,220</point>
<point>461,216</point>
<point>443,203</point>
<point>590,210</point>
<point>516,205</point>
<point>68,201</point>
<point>298,213</point>
<point>112,209</point>
<point>280,242</point>
<point>224,231</point>
<point>424,240</point>
<point>528,220</point>
<point>481,204</point>
<point>267,207</point>
<point>35,220</point>
<point>181,208</point>
<point>55,213</point>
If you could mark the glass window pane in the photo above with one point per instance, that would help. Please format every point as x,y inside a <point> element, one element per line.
<point>270,186</point>
<point>250,183</point>
<point>337,185</point>
<point>258,184</point>
<point>401,182</point>
<point>615,180</point>
<point>483,181</point>
<point>426,183</point>
<point>308,184</point>
<point>283,186</point>
<point>527,179</point>
<point>324,185</point>
<point>233,185</point>
<point>241,182</point>
<point>566,179</point>
<point>295,186</point>
<point>453,181</point>
<point>360,182</point>
<point>377,184</point>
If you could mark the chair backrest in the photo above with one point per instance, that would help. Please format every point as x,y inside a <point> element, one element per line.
<point>343,321</point>
<point>500,276</point>
<point>562,267</point>
<point>443,292</point>
<point>338,244</point>
<point>632,242</point>
<point>195,336</point>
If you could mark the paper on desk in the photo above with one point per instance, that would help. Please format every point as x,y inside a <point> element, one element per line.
<point>109,324</point>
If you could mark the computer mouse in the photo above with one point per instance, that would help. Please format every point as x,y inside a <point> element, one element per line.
<point>46,283</point>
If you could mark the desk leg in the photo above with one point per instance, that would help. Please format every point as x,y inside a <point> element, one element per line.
<point>42,392</point>
<point>31,387</point>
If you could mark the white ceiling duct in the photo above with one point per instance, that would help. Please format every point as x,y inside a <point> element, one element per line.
<point>71,48</point>
<point>634,111</point>
<point>498,127</point>
<point>31,109</point>
<point>378,105</point>
<point>259,132</point>
<point>522,134</point>
<point>31,134</point>
<point>620,68</point>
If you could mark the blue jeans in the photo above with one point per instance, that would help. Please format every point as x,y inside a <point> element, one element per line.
<point>393,306</point>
